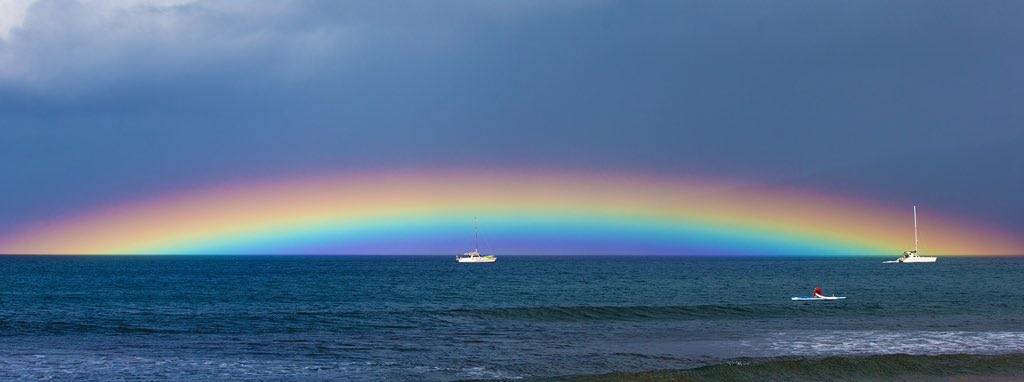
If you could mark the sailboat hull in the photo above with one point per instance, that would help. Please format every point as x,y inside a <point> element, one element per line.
<point>480,259</point>
<point>919,259</point>
<point>913,259</point>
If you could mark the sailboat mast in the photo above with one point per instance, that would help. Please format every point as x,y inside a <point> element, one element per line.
<point>476,233</point>
<point>915,228</point>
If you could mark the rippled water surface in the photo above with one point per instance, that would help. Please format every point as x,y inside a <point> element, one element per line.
<point>428,318</point>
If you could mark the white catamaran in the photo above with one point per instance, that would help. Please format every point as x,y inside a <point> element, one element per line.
<point>474,255</point>
<point>912,256</point>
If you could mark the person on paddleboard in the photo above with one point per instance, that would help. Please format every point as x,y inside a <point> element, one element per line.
<point>818,292</point>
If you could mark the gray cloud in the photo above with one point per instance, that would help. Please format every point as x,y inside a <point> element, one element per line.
<point>68,49</point>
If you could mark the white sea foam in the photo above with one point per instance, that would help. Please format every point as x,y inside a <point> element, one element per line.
<point>99,367</point>
<point>815,343</point>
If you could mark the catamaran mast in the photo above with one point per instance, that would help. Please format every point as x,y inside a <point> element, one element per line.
<point>915,228</point>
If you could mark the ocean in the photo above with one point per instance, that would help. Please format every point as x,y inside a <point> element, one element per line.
<point>427,318</point>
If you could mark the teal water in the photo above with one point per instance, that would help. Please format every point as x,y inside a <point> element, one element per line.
<point>428,318</point>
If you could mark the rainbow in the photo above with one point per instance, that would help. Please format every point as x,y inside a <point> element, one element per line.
<point>521,212</point>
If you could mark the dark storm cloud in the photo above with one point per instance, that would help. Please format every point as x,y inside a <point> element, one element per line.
<point>902,101</point>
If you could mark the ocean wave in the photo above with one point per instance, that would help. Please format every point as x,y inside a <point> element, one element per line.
<point>720,311</point>
<point>1008,367</point>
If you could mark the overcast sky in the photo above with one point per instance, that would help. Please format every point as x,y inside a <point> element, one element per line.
<point>899,101</point>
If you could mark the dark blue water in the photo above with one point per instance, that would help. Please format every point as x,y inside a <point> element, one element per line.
<point>428,318</point>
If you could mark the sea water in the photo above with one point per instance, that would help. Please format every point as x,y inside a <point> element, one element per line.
<point>430,318</point>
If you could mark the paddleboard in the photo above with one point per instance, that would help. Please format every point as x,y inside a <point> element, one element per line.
<point>818,298</point>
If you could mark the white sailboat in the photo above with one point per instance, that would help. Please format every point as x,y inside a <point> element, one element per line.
<point>474,256</point>
<point>912,256</point>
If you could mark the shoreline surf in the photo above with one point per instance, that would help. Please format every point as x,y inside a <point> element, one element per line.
<point>889,367</point>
